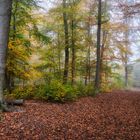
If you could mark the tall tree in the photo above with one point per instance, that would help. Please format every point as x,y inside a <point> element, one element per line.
<point>9,76</point>
<point>126,54</point>
<point>88,57</point>
<point>73,52</point>
<point>98,56</point>
<point>73,5</point>
<point>65,19</point>
<point>5,14</point>
<point>104,37</point>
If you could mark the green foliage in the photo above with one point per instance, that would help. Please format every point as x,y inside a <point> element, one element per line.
<point>118,82</point>
<point>80,89</point>
<point>89,90</point>
<point>114,83</point>
<point>83,90</point>
<point>22,93</point>
<point>40,92</point>
<point>55,92</point>
<point>40,36</point>
<point>71,93</point>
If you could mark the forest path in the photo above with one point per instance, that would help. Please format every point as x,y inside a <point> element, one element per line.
<point>107,116</point>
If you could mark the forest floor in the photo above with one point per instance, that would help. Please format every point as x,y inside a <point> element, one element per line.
<point>110,116</point>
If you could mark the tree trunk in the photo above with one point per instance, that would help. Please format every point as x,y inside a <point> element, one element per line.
<point>98,59</point>
<point>89,52</point>
<point>59,54</point>
<point>126,54</point>
<point>104,38</point>
<point>88,65</point>
<point>5,14</point>
<point>66,65</point>
<point>126,72</point>
<point>73,53</point>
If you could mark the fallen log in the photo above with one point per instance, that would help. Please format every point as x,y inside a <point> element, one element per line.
<point>15,102</point>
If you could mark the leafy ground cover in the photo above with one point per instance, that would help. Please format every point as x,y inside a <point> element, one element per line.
<point>111,116</point>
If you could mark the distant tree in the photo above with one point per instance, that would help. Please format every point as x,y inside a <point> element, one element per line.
<point>66,31</point>
<point>98,56</point>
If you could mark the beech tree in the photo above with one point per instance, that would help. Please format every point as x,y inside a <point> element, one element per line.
<point>98,54</point>
<point>66,31</point>
<point>5,14</point>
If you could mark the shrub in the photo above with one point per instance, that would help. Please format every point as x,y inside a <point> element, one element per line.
<point>40,92</point>
<point>22,93</point>
<point>117,83</point>
<point>55,91</point>
<point>71,93</point>
<point>81,90</point>
<point>89,90</point>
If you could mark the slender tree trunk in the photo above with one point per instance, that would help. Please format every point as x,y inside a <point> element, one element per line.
<point>126,72</point>
<point>126,61</point>
<point>66,32</point>
<point>89,49</point>
<point>5,14</point>
<point>86,71</point>
<point>102,54</point>
<point>126,35</point>
<point>89,70</point>
<point>73,53</point>
<point>59,55</point>
<point>126,56</point>
<point>88,65</point>
<point>9,76</point>
<point>97,76</point>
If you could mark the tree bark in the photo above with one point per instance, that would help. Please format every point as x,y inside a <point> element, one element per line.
<point>59,55</point>
<point>66,32</point>
<point>5,14</point>
<point>73,53</point>
<point>88,65</point>
<point>104,38</point>
<point>126,55</point>
<point>98,59</point>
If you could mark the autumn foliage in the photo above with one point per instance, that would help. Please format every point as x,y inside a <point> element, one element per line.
<point>108,116</point>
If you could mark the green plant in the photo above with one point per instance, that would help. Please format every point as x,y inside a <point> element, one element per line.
<point>71,93</point>
<point>22,93</point>
<point>117,82</point>
<point>55,91</point>
<point>81,89</point>
<point>40,92</point>
<point>89,90</point>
